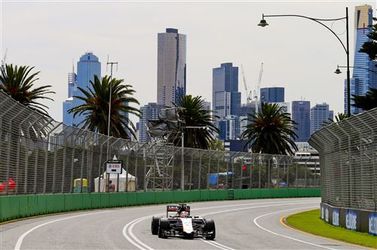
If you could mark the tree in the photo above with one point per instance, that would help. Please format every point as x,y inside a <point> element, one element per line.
<point>370,46</point>
<point>271,131</point>
<point>366,102</point>
<point>18,82</point>
<point>95,107</point>
<point>217,145</point>
<point>339,117</point>
<point>198,128</point>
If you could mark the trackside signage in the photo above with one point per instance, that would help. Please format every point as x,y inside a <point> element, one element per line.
<point>351,219</point>
<point>114,167</point>
<point>373,223</point>
<point>335,217</point>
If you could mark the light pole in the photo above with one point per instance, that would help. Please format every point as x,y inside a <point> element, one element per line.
<point>183,152</point>
<point>338,67</point>
<point>321,21</point>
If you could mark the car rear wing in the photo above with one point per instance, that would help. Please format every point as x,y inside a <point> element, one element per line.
<point>174,208</point>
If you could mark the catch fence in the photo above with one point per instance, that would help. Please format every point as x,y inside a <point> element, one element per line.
<point>41,155</point>
<point>348,159</point>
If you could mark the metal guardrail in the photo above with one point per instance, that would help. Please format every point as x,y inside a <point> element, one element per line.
<point>41,155</point>
<point>348,158</point>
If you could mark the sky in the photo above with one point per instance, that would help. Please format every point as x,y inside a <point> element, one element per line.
<point>297,53</point>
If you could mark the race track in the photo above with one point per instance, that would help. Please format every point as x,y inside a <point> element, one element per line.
<point>242,224</point>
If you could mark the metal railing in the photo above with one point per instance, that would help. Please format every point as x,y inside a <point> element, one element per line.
<point>41,155</point>
<point>348,155</point>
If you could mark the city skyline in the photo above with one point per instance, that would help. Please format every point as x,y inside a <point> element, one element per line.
<point>211,40</point>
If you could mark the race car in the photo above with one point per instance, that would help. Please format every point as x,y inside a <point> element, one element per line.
<point>179,222</point>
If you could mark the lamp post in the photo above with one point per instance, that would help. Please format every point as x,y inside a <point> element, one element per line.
<point>263,23</point>
<point>338,67</point>
<point>183,152</point>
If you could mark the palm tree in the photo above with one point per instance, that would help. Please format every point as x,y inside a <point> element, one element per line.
<point>271,131</point>
<point>95,107</point>
<point>18,82</point>
<point>198,128</point>
<point>366,102</point>
<point>339,117</point>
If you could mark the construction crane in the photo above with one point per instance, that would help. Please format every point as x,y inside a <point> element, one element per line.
<point>256,99</point>
<point>249,94</point>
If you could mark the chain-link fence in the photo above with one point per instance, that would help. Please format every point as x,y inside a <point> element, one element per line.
<point>40,155</point>
<point>348,151</point>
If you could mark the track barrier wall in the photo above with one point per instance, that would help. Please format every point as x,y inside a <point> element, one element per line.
<point>19,206</point>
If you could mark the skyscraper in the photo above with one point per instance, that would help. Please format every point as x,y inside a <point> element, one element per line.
<point>148,112</point>
<point>272,94</point>
<point>319,115</point>
<point>361,79</point>
<point>301,115</point>
<point>87,67</point>
<point>171,67</point>
<point>226,100</point>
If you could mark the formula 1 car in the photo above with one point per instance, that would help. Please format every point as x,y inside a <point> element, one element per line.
<point>179,222</point>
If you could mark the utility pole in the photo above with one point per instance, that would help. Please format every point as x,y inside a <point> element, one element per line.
<point>111,77</point>
<point>109,117</point>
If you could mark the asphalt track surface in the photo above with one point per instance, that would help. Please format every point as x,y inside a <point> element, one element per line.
<point>242,224</point>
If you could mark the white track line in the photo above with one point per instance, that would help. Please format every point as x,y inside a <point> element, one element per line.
<point>131,237</point>
<point>217,245</point>
<point>286,236</point>
<point>22,237</point>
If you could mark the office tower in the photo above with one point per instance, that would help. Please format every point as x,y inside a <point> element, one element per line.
<point>171,67</point>
<point>229,127</point>
<point>272,94</point>
<point>363,76</point>
<point>148,112</point>
<point>87,67</point>
<point>319,116</point>
<point>301,115</point>
<point>285,107</point>
<point>226,100</point>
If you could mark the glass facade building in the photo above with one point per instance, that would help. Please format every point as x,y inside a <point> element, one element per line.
<point>87,67</point>
<point>171,67</point>
<point>148,112</point>
<point>226,100</point>
<point>301,115</point>
<point>362,79</point>
<point>272,94</point>
<point>319,116</point>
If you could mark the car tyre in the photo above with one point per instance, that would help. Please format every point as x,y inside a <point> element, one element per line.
<point>164,226</point>
<point>210,230</point>
<point>154,225</point>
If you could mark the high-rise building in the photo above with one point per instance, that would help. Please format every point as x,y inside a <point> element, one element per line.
<point>226,100</point>
<point>363,76</point>
<point>171,67</point>
<point>272,94</point>
<point>301,115</point>
<point>87,67</point>
<point>148,112</point>
<point>319,116</point>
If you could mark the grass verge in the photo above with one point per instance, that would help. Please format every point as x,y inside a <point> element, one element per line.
<point>310,222</point>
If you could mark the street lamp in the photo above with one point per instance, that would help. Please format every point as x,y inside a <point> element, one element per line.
<point>183,152</point>
<point>338,67</point>
<point>263,23</point>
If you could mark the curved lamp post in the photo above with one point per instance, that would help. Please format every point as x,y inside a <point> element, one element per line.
<point>263,23</point>
<point>338,67</point>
